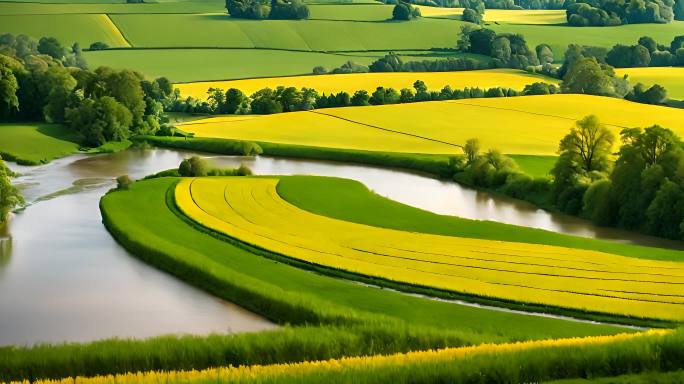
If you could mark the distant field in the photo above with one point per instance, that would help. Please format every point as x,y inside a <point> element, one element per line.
<point>36,143</point>
<point>85,29</point>
<point>528,125</point>
<point>182,64</point>
<point>672,78</point>
<point>559,36</point>
<point>528,16</point>
<point>18,8</point>
<point>219,30</point>
<point>370,81</point>
<point>250,209</point>
<point>357,12</point>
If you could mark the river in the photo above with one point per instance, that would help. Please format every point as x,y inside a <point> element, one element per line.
<point>63,278</point>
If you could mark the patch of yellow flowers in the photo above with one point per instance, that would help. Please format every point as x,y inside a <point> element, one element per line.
<point>247,373</point>
<point>250,209</point>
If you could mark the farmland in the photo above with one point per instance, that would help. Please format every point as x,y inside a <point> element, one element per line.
<point>369,81</point>
<point>368,193</point>
<point>670,78</point>
<point>537,131</point>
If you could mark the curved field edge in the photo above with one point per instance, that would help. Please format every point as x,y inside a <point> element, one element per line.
<point>535,361</point>
<point>413,288</point>
<point>350,200</point>
<point>329,318</point>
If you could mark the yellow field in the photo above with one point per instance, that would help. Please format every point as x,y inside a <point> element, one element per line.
<point>112,31</point>
<point>264,372</point>
<point>512,16</point>
<point>518,125</point>
<point>490,78</point>
<point>672,78</point>
<point>251,210</point>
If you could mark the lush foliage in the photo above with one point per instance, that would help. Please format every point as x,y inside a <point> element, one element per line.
<point>507,50</point>
<point>10,196</point>
<point>262,9</point>
<point>584,13</point>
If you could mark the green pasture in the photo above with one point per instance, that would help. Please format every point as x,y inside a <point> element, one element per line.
<point>68,28</point>
<point>535,166</point>
<point>219,30</point>
<point>36,143</point>
<point>653,377</point>
<point>355,12</point>
<point>560,36</point>
<point>29,8</point>
<point>351,201</point>
<point>181,65</point>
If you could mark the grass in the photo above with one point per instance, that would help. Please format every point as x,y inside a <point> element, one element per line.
<point>250,210</point>
<point>358,12</point>
<point>83,28</point>
<point>652,377</point>
<point>180,65</point>
<point>672,78</point>
<point>520,362</point>
<point>559,36</point>
<point>74,7</point>
<point>350,83</point>
<point>33,144</point>
<point>535,166</point>
<point>219,30</point>
<point>351,201</point>
<point>532,125</point>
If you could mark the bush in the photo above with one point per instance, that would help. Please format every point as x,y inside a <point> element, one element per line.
<point>194,166</point>
<point>98,45</point>
<point>123,182</point>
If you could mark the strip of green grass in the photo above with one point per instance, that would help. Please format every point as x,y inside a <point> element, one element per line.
<point>654,377</point>
<point>351,201</point>
<point>33,144</point>
<point>352,319</point>
<point>535,166</point>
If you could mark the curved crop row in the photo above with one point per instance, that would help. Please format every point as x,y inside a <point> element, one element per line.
<point>250,210</point>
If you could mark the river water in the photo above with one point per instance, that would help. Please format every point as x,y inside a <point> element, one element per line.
<point>63,278</point>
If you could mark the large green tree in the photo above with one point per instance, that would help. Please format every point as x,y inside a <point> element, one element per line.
<point>10,196</point>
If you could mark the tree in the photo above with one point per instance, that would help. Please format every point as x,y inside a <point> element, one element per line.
<point>648,43</point>
<point>57,84</point>
<point>401,11</point>
<point>51,46</point>
<point>10,197</point>
<point>194,166</point>
<point>544,53</point>
<point>590,142</point>
<point>360,98</point>
<point>587,77</point>
<point>288,10</point>
<point>100,120</point>
<point>501,48</point>
<point>264,102</point>
<point>471,149</point>
<point>234,99</point>
<point>9,102</point>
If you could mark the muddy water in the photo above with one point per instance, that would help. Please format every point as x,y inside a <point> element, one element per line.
<point>63,278</point>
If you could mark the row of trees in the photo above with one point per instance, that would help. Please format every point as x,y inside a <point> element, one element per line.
<point>642,190</point>
<point>268,9</point>
<point>405,11</point>
<point>584,13</point>
<point>101,105</point>
<point>507,49</point>
<point>290,99</point>
<point>394,63</point>
<point>647,53</point>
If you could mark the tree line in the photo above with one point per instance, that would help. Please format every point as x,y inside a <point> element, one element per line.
<point>645,53</point>
<point>582,13</point>
<point>10,197</point>
<point>268,9</point>
<point>291,99</point>
<point>47,82</point>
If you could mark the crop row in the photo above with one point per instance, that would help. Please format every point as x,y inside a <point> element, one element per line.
<point>250,210</point>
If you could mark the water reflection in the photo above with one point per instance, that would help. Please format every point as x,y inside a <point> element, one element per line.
<point>5,246</point>
<point>63,277</point>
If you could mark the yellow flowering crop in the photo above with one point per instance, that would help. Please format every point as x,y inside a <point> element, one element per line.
<point>245,373</point>
<point>251,210</point>
<point>530,125</point>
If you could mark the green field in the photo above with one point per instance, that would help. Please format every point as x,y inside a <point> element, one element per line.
<point>358,12</point>
<point>180,65</point>
<point>52,7</point>
<point>36,143</point>
<point>84,29</point>
<point>535,166</point>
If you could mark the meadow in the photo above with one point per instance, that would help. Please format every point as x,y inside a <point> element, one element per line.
<point>33,144</point>
<point>539,122</point>
<point>507,78</point>
<point>672,78</point>
<point>528,16</point>
<point>83,28</point>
